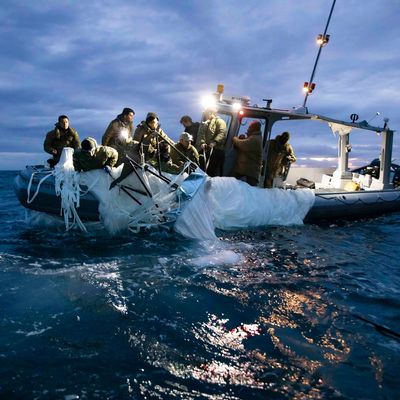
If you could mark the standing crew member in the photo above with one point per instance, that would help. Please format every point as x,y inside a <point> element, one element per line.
<point>249,158</point>
<point>211,138</point>
<point>119,134</point>
<point>288,156</point>
<point>192,128</point>
<point>280,156</point>
<point>61,136</point>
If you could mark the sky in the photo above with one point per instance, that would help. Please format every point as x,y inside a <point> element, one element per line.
<point>90,59</point>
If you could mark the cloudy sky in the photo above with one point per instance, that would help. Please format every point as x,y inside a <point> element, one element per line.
<point>89,59</point>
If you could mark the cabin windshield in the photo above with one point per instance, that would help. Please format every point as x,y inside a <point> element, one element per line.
<point>315,145</point>
<point>313,142</point>
<point>227,118</point>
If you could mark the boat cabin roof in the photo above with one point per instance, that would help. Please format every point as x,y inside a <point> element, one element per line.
<point>275,114</point>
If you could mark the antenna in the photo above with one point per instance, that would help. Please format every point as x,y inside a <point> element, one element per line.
<point>321,40</point>
<point>376,114</point>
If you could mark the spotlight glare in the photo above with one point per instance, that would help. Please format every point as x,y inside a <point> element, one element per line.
<point>208,102</point>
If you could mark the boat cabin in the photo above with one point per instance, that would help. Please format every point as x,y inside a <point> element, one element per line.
<point>237,112</point>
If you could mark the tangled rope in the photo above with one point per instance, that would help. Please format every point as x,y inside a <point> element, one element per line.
<point>67,187</point>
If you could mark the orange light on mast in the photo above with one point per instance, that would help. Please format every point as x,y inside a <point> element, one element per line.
<point>322,39</point>
<point>220,88</point>
<point>308,88</point>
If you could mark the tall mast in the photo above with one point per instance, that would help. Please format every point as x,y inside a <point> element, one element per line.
<point>322,40</point>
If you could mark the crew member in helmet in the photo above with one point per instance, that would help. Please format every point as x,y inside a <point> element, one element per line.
<point>91,156</point>
<point>63,135</point>
<point>184,150</point>
<point>119,133</point>
<point>146,135</point>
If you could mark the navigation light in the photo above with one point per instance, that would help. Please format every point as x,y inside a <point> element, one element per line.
<point>236,106</point>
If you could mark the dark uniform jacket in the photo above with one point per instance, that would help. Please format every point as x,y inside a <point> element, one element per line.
<point>103,155</point>
<point>193,130</point>
<point>249,157</point>
<point>147,137</point>
<point>59,138</point>
<point>190,152</point>
<point>213,130</point>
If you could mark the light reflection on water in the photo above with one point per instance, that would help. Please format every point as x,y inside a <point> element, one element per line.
<point>267,314</point>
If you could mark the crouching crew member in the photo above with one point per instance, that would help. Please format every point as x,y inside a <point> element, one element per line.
<point>147,134</point>
<point>119,133</point>
<point>211,140</point>
<point>249,157</point>
<point>61,136</point>
<point>91,156</point>
<point>184,150</point>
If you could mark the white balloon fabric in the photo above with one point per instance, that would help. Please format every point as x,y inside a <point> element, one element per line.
<point>237,205</point>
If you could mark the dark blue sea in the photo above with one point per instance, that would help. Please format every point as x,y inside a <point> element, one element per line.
<point>302,312</point>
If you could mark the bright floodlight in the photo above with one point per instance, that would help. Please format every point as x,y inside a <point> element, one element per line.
<point>208,102</point>
<point>236,106</point>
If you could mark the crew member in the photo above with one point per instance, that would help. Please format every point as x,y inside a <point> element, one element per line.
<point>280,156</point>
<point>91,156</point>
<point>184,150</point>
<point>61,136</point>
<point>147,134</point>
<point>249,157</point>
<point>119,134</point>
<point>211,140</point>
<point>192,128</point>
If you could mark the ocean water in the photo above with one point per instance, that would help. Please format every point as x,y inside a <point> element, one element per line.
<point>301,312</point>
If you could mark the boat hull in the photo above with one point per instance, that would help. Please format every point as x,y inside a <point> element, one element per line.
<point>46,200</point>
<point>330,206</point>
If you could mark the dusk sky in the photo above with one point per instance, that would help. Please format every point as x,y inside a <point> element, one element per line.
<point>89,59</point>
